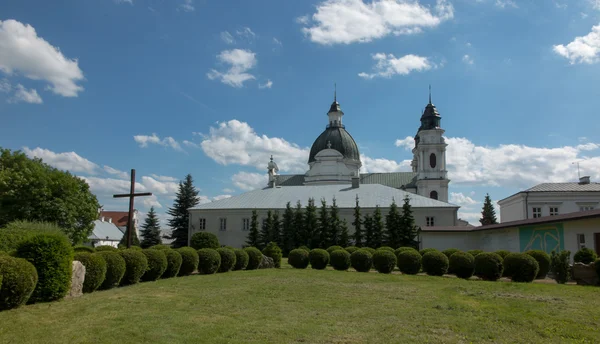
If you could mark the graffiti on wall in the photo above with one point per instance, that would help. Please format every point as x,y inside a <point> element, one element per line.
<point>547,237</point>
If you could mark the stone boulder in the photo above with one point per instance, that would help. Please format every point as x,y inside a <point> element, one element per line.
<point>266,263</point>
<point>77,279</point>
<point>585,274</point>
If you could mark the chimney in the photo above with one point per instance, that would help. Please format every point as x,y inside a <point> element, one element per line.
<point>110,220</point>
<point>102,219</point>
<point>584,180</point>
<point>355,182</point>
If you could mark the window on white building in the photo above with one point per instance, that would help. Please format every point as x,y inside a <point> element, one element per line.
<point>430,221</point>
<point>581,240</point>
<point>537,212</point>
<point>586,208</point>
<point>202,224</point>
<point>553,211</point>
<point>223,225</point>
<point>246,224</point>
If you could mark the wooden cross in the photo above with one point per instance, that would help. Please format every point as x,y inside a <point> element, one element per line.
<point>131,196</point>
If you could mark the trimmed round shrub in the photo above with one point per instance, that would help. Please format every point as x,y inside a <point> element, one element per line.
<point>95,270</point>
<point>488,266</point>
<point>273,251</point>
<point>474,253</point>
<point>509,263</point>
<point>340,260</point>
<point>136,265</point>
<point>450,251</point>
<point>228,259</point>
<point>543,260</point>
<point>409,262</point>
<point>435,263</point>
<point>241,259</point>
<point>209,261</point>
<point>334,248</point>
<point>202,240</point>
<point>174,261</point>
<point>52,256</point>
<point>19,279</point>
<point>462,264</point>
<point>81,248</point>
<point>105,248</point>
<point>585,256</point>
<point>160,247</point>
<point>384,261</point>
<point>502,253</point>
<point>298,258</point>
<point>305,248</point>
<point>386,248</point>
<point>189,261</point>
<point>157,264</point>
<point>133,247</point>
<point>351,249</point>
<point>402,249</point>
<point>318,258</point>
<point>361,260</point>
<point>370,249</point>
<point>254,258</point>
<point>425,250</point>
<point>115,269</point>
<point>523,267</point>
<point>2,253</point>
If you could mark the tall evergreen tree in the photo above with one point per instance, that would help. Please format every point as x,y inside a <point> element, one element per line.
<point>287,230</point>
<point>150,232</point>
<point>185,198</point>
<point>368,223</point>
<point>299,227</point>
<point>408,230</point>
<point>266,231</point>
<point>134,239</point>
<point>324,224</point>
<point>253,238</point>
<point>344,236</point>
<point>311,225</point>
<point>392,225</point>
<point>378,228</point>
<point>276,229</point>
<point>358,230</point>
<point>488,213</point>
<point>333,237</point>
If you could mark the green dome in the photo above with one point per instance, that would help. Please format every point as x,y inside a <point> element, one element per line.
<point>339,139</point>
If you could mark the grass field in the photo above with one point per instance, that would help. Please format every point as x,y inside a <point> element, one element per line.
<point>307,306</point>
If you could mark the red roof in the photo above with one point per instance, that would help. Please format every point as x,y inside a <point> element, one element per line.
<point>119,218</point>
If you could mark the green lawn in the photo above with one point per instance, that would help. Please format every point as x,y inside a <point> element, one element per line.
<point>308,306</point>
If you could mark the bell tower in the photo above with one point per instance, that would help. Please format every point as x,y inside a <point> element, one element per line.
<point>429,155</point>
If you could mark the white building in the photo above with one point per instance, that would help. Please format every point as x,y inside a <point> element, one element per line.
<point>550,199</point>
<point>105,233</point>
<point>334,164</point>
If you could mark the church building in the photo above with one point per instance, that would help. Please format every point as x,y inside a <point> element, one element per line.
<point>334,173</point>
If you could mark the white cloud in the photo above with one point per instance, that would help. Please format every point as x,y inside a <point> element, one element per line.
<point>240,62</point>
<point>187,6</point>
<point>24,95</point>
<point>408,143</point>
<point>220,197</point>
<point>227,37</point>
<point>246,33</point>
<point>191,144</point>
<point>228,190</point>
<point>113,171</point>
<point>160,187</point>
<point>164,178</point>
<point>5,86</point>
<point>370,165</point>
<point>595,4</point>
<point>69,161</point>
<point>23,52</point>
<point>124,1</point>
<point>461,199</point>
<point>151,201</point>
<point>350,21</point>
<point>249,181</point>
<point>110,186</point>
<point>145,140</point>
<point>276,41</point>
<point>506,3</point>
<point>583,49</point>
<point>388,65</point>
<point>267,84</point>
<point>468,60</point>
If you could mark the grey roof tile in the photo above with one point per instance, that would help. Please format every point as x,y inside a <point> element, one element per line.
<point>104,230</point>
<point>395,180</point>
<point>568,187</point>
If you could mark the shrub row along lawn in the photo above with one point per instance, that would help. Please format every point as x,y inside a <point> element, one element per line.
<point>313,306</point>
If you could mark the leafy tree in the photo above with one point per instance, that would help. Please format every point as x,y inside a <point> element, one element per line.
<point>311,225</point>
<point>488,214</point>
<point>344,236</point>
<point>266,231</point>
<point>324,224</point>
<point>378,228</point>
<point>368,222</point>
<point>333,237</point>
<point>135,241</point>
<point>253,239</point>
<point>392,225</point>
<point>276,229</point>
<point>185,198</point>
<point>299,227</point>
<point>288,234</point>
<point>408,231</point>
<point>358,231</point>
<point>34,191</point>
<point>150,230</point>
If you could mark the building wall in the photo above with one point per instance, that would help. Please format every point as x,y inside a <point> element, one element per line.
<point>513,209</point>
<point>112,243</point>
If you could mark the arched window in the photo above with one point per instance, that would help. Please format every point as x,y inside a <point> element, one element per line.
<point>433,195</point>
<point>432,160</point>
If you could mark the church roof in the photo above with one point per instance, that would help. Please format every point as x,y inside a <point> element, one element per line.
<point>104,230</point>
<point>339,139</point>
<point>395,180</point>
<point>369,195</point>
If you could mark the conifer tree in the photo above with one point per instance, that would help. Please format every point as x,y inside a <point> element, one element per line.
<point>266,231</point>
<point>344,236</point>
<point>134,238</point>
<point>368,240</point>
<point>287,230</point>
<point>333,237</point>
<point>324,224</point>
<point>488,213</point>
<point>392,225</point>
<point>150,232</point>
<point>378,228</point>
<point>358,230</point>
<point>253,239</point>
<point>311,225</point>
<point>299,227</point>
<point>185,198</point>
<point>408,230</point>
<point>276,229</point>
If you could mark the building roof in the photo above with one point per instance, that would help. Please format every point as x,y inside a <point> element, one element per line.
<point>119,218</point>
<point>565,187</point>
<point>369,195</point>
<point>397,180</point>
<point>337,138</point>
<point>104,230</point>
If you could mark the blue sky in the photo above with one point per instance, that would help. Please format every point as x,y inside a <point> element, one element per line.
<point>213,88</point>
